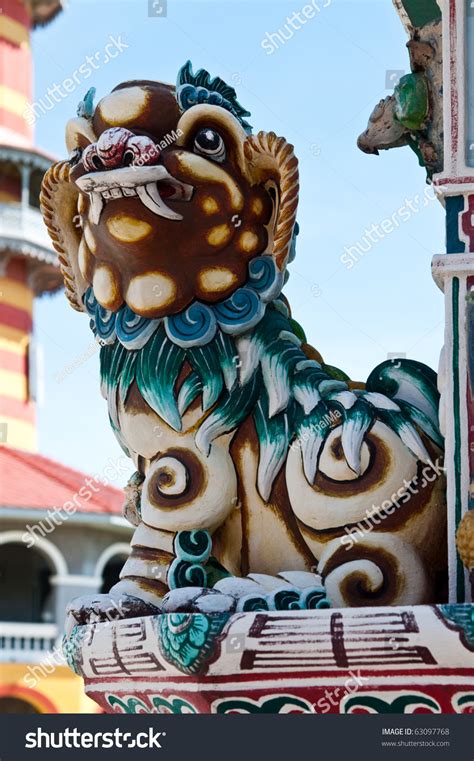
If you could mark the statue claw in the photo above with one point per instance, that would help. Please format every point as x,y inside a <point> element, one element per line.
<point>287,591</point>
<point>92,609</point>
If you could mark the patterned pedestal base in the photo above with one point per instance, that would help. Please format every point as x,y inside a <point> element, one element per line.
<point>372,660</point>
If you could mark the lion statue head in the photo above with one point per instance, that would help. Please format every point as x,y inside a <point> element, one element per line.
<point>167,199</point>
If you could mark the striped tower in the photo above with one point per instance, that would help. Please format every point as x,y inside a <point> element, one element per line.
<point>28,265</point>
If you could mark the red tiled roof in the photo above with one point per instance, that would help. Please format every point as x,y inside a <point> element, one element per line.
<point>30,480</point>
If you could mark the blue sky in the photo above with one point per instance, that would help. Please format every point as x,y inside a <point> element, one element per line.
<point>318,90</point>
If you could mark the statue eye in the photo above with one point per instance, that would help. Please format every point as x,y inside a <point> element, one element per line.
<point>170,477</point>
<point>209,143</point>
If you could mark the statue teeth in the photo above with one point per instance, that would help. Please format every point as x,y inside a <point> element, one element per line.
<point>97,204</point>
<point>150,197</point>
<point>148,194</point>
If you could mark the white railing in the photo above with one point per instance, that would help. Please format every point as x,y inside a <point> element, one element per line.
<point>18,222</point>
<point>26,643</point>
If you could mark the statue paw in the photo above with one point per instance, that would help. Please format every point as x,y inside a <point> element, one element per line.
<point>292,590</point>
<point>92,609</point>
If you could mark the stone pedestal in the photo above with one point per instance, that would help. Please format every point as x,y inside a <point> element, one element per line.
<point>370,660</point>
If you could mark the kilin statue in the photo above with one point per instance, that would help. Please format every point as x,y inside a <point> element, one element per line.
<point>265,478</point>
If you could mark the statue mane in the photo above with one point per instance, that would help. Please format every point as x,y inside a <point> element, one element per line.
<point>192,89</point>
<point>264,373</point>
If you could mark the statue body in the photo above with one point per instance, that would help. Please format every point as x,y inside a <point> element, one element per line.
<point>265,478</point>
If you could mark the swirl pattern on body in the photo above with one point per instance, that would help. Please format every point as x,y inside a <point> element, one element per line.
<point>195,326</point>
<point>192,550</point>
<point>134,331</point>
<point>90,302</point>
<point>265,277</point>
<point>183,574</point>
<point>193,546</point>
<point>244,307</point>
<point>105,325</point>
<point>285,598</point>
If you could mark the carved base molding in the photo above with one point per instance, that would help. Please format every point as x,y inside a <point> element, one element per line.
<point>417,659</point>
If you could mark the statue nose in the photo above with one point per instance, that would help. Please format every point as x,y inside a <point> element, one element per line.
<point>118,147</point>
<point>112,145</point>
<point>364,145</point>
<point>141,151</point>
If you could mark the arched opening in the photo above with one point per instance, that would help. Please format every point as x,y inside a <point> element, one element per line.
<point>17,699</point>
<point>36,179</point>
<point>10,182</point>
<point>25,588</point>
<point>16,705</point>
<point>111,571</point>
<point>110,564</point>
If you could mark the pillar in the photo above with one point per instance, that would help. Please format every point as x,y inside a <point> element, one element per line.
<point>453,271</point>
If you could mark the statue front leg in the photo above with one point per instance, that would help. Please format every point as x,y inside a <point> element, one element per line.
<point>204,509</point>
<point>142,583</point>
<point>175,507</point>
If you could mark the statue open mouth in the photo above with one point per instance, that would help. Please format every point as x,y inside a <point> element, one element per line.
<point>149,183</point>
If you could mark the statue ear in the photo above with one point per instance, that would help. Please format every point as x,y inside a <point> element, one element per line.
<point>272,162</point>
<point>79,134</point>
<point>59,205</point>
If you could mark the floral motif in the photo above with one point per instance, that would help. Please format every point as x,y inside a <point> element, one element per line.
<point>403,703</point>
<point>188,640</point>
<point>268,704</point>
<point>460,617</point>
<point>72,648</point>
<point>133,705</point>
